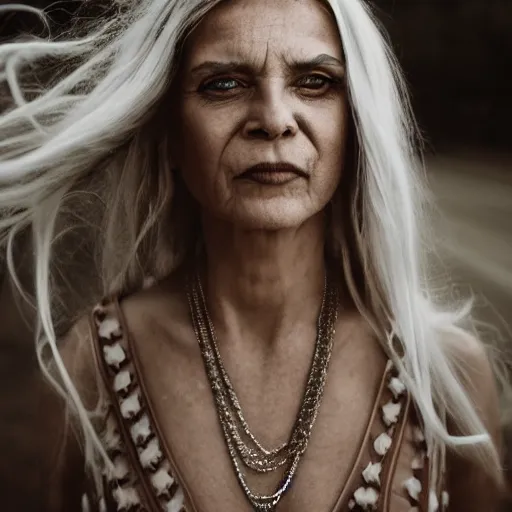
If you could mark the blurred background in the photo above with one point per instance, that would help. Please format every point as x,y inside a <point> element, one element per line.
<point>457,57</point>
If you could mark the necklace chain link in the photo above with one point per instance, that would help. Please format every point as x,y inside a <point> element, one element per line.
<point>249,451</point>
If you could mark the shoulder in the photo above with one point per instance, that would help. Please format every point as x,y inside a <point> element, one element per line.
<point>464,346</point>
<point>473,484</point>
<point>472,364</point>
<point>159,311</point>
<point>149,302</point>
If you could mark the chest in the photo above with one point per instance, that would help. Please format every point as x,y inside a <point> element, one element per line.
<point>183,404</point>
<point>168,448</point>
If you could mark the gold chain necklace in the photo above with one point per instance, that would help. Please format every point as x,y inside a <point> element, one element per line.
<point>229,411</point>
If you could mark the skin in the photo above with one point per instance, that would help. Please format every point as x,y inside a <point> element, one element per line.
<point>264,265</point>
<point>260,239</point>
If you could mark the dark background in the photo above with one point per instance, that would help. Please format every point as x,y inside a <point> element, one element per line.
<point>457,56</point>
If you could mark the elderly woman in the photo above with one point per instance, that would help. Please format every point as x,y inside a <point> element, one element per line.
<point>244,171</point>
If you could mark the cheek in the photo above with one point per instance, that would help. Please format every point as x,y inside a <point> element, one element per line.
<point>195,142</point>
<point>200,148</point>
<point>333,142</point>
<point>337,131</point>
<point>204,134</point>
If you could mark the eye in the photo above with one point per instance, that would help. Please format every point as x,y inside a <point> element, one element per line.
<point>317,83</point>
<point>221,85</point>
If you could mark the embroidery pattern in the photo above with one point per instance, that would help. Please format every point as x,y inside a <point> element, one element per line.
<point>366,497</point>
<point>123,483</point>
<point>413,485</point>
<point>130,402</point>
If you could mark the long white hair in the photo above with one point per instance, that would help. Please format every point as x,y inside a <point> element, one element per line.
<point>80,160</point>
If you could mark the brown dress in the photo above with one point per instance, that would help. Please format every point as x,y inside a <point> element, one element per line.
<point>391,473</point>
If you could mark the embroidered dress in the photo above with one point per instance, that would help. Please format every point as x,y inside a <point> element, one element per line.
<point>391,471</point>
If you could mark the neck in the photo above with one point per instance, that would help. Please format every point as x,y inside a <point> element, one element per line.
<point>261,285</point>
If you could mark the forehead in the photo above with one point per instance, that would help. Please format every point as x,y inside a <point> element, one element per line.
<point>259,30</point>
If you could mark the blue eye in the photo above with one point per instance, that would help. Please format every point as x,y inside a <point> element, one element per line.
<point>221,84</point>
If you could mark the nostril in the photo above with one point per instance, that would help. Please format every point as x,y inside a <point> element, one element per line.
<point>259,133</point>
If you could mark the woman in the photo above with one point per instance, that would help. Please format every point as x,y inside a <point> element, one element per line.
<point>255,157</point>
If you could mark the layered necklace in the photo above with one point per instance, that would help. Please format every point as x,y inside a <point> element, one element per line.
<point>243,447</point>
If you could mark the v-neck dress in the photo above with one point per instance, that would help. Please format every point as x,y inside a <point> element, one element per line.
<point>391,472</point>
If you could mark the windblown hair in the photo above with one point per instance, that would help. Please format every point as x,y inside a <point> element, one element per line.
<point>82,166</point>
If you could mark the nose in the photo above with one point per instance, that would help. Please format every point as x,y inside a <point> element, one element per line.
<point>271,116</point>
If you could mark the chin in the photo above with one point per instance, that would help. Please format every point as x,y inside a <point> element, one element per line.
<point>273,217</point>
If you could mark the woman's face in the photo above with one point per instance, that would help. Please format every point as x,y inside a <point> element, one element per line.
<point>262,84</point>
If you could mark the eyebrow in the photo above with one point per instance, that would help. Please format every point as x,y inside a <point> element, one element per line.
<point>294,65</point>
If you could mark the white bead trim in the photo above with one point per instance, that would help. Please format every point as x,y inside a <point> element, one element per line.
<point>122,381</point>
<point>109,328</point>
<point>372,472</point>
<point>114,355</point>
<point>413,487</point>
<point>141,431</point>
<point>176,504</point>
<point>161,481</point>
<point>397,387</point>
<point>391,412</point>
<point>151,457</point>
<point>126,497</point>
<point>130,406</point>
<point>367,498</point>
<point>382,444</point>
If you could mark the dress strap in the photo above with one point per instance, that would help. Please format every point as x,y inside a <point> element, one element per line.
<point>348,490</point>
<point>129,435</point>
<point>386,429</point>
<point>397,436</point>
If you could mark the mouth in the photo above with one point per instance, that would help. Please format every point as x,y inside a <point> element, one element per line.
<point>273,173</point>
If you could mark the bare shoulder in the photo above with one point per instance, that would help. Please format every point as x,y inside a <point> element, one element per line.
<point>473,488</point>
<point>149,313</point>
<point>159,311</point>
<point>472,362</point>
<point>466,347</point>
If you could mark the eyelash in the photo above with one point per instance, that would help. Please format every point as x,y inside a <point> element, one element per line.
<point>206,87</point>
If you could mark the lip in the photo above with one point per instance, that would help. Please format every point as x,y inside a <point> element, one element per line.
<point>273,173</point>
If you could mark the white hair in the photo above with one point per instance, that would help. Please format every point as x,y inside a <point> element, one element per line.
<point>77,153</point>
